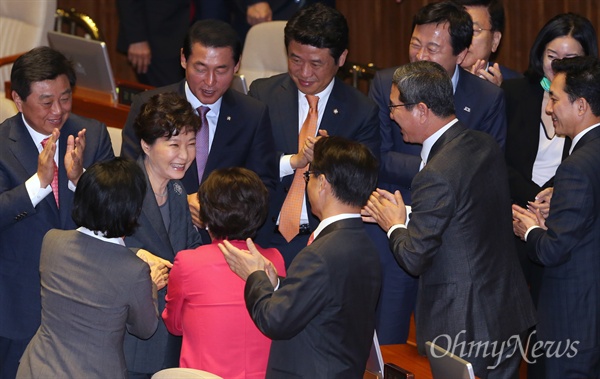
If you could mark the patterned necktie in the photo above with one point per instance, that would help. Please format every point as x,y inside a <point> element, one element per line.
<point>289,221</point>
<point>54,183</point>
<point>202,142</point>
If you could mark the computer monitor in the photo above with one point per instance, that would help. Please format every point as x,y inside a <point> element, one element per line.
<point>90,60</point>
<point>446,365</point>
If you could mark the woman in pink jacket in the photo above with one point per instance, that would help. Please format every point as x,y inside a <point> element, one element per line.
<point>205,299</point>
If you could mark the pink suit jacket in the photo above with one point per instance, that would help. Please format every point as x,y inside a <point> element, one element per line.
<point>205,304</point>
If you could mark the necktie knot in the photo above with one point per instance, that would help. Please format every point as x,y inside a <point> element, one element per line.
<point>203,110</point>
<point>313,101</point>
<point>45,141</point>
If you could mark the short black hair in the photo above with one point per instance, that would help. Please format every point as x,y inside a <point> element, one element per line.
<point>460,23</point>
<point>37,65</point>
<point>165,115</point>
<point>109,197</point>
<point>582,78</point>
<point>349,167</point>
<point>564,24</point>
<point>425,82</point>
<point>234,203</point>
<point>494,7</point>
<point>319,26</point>
<point>212,33</point>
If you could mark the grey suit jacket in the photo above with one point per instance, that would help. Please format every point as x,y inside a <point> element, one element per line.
<point>22,227</point>
<point>348,114</point>
<point>569,301</point>
<point>92,291</point>
<point>322,317</point>
<point>460,242</point>
<point>148,355</point>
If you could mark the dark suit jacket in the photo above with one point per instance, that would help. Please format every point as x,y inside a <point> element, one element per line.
<point>523,107</point>
<point>459,241</point>
<point>164,25</point>
<point>479,105</point>
<point>322,317</point>
<point>22,226</point>
<point>148,355</point>
<point>569,302</point>
<point>92,290</point>
<point>348,114</point>
<point>243,137</point>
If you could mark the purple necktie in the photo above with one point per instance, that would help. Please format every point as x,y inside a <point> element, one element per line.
<point>202,142</point>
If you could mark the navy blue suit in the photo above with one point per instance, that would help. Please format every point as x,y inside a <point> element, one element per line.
<point>243,137</point>
<point>480,106</point>
<point>22,226</point>
<point>348,114</point>
<point>569,300</point>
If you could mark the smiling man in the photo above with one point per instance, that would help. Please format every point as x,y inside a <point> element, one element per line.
<point>317,45</point>
<point>239,131</point>
<point>44,150</point>
<point>567,242</point>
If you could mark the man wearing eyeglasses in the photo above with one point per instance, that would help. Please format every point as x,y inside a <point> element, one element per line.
<point>479,105</point>
<point>488,26</point>
<point>458,241</point>
<point>322,316</point>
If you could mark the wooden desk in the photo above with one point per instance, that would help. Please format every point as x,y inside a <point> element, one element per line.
<point>407,357</point>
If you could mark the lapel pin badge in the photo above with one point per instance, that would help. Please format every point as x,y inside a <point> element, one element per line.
<point>335,111</point>
<point>228,118</point>
<point>467,109</point>
<point>177,188</point>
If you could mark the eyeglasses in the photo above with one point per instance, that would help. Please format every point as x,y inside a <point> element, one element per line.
<point>307,175</point>
<point>477,31</point>
<point>392,106</point>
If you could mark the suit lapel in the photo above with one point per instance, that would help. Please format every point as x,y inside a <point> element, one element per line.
<point>25,152</point>
<point>334,111</point>
<point>448,136</point>
<point>151,211</point>
<point>285,112</point>
<point>588,137</point>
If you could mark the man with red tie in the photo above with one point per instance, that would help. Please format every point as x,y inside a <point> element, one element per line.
<point>44,151</point>
<point>316,38</point>
<point>321,318</point>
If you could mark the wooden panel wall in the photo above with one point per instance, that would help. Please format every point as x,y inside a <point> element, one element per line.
<point>380,29</point>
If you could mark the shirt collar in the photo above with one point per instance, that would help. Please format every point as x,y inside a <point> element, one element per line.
<point>580,135</point>
<point>323,97</point>
<point>192,99</point>
<point>455,78</point>
<point>35,136</point>
<point>432,139</point>
<point>330,220</point>
<point>100,236</point>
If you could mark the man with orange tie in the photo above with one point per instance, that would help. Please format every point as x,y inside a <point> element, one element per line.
<point>321,318</point>
<point>316,39</point>
<point>44,151</point>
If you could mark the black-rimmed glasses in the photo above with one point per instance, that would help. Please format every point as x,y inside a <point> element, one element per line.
<point>392,106</point>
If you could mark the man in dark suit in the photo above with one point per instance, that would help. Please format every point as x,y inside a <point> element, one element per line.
<point>247,13</point>
<point>322,315</point>
<point>150,34</point>
<point>567,243</point>
<point>458,240</point>
<point>316,39</point>
<point>479,105</point>
<point>488,26</point>
<point>239,127</point>
<point>36,186</point>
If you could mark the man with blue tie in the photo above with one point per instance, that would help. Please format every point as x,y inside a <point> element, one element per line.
<point>442,33</point>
